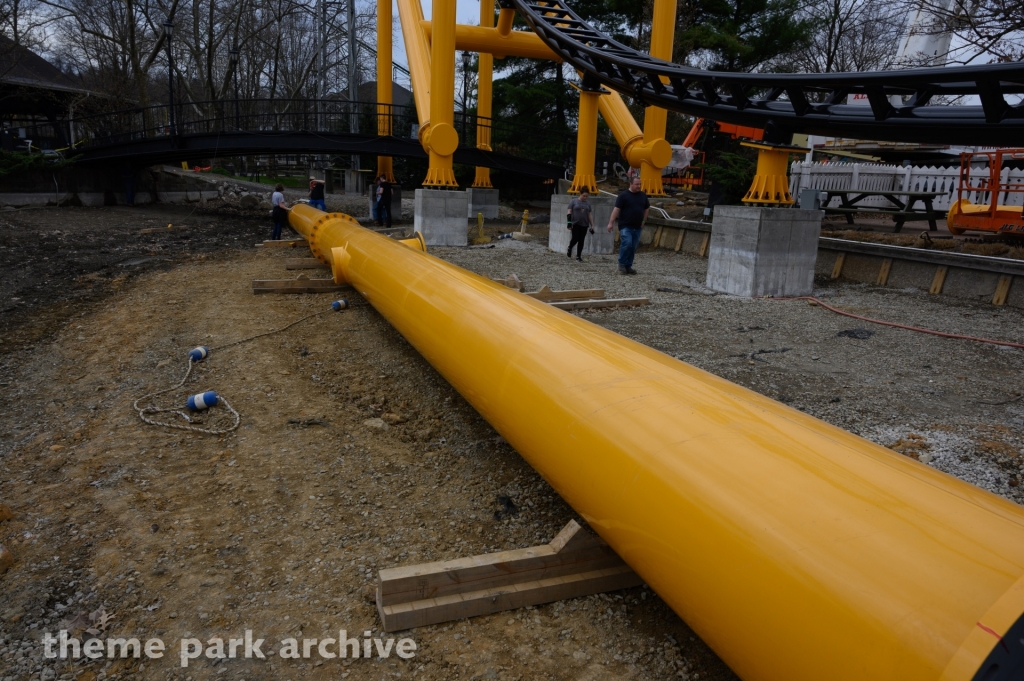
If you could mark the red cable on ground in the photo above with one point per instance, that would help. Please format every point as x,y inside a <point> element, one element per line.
<point>904,326</point>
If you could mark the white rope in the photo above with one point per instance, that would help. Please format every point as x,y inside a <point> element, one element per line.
<point>153,409</point>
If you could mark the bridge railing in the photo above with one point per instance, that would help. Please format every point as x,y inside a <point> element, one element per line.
<point>310,115</point>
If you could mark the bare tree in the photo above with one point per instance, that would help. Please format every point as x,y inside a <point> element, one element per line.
<point>982,30</point>
<point>850,35</point>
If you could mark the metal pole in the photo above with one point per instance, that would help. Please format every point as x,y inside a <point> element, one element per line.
<point>353,77</point>
<point>234,73</point>
<point>168,32</point>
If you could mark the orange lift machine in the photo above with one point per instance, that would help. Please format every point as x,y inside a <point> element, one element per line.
<point>988,215</point>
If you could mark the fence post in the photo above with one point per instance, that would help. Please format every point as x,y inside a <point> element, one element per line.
<point>855,180</point>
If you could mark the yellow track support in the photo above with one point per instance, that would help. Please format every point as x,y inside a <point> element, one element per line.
<point>796,550</point>
<point>771,183</point>
<point>655,118</point>
<point>384,86</point>
<point>586,142</point>
<point>485,72</point>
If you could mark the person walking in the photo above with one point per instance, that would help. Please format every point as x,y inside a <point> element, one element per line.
<point>384,201</point>
<point>316,193</point>
<point>631,209</point>
<point>280,211</point>
<point>581,220</point>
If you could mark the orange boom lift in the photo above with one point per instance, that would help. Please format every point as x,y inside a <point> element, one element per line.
<point>988,216</point>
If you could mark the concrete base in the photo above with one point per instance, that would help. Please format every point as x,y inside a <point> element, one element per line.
<point>763,251</point>
<point>601,242</point>
<point>354,183</point>
<point>396,201</point>
<point>440,215</point>
<point>482,201</point>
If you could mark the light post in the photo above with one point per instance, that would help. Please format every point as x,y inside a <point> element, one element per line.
<point>168,31</point>
<point>467,61</point>
<point>234,73</point>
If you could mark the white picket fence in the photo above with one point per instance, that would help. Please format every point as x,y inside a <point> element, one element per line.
<point>881,177</point>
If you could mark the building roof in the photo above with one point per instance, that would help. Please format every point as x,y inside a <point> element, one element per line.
<point>21,67</point>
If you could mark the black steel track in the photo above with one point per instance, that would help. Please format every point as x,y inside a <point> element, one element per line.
<point>241,143</point>
<point>799,102</point>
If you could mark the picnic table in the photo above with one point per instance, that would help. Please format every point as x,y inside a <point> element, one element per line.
<point>902,209</point>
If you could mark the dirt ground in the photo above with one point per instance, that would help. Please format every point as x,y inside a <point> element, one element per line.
<point>354,455</point>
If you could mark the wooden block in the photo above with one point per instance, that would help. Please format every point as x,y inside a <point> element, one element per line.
<point>704,245</point>
<point>283,243</point>
<point>1002,289</point>
<point>883,272</point>
<point>301,285</point>
<point>837,269</point>
<point>512,281</point>
<point>574,564</point>
<point>679,241</point>
<point>656,242</point>
<point>547,295</point>
<point>939,280</point>
<point>607,302</point>
<point>303,264</point>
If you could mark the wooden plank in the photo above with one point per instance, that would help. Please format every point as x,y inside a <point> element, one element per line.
<point>154,230</point>
<point>679,241</point>
<point>883,272</point>
<point>1002,290</point>
<point>939,280</point>
<point>837,269</point>
<point>575,563</point>
<point>301,285</point>
<point>283,243</point>
<point>656,241</point>
<point>303,264</point>
<point>487,601</point>
<point>704,245</point>
<point>547,295</point>
<point>607,302</point>
<point>512,281</point>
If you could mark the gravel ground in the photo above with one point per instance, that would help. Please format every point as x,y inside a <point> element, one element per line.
<point>354,455</point>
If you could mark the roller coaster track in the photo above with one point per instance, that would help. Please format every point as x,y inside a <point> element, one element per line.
<point>798,102</point>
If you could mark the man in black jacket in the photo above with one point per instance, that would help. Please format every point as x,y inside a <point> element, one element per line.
<point>631,209</point>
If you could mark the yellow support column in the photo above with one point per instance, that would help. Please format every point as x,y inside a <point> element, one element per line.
<point>771,185</point>
<point>586,139</point>
<point>662,39</point>
<point>485,71</point>
<point>384,93</point>
<point>442,140</point>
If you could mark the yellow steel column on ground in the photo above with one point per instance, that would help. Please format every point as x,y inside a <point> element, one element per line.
<point>485,71</point>
<point>663,26</point>
<point>442,140</point>
<point>586,141</point>
<point>798,551</point>
<point>384,88</point>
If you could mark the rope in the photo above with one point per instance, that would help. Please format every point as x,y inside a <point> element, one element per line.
<point>144,411</point>
<point>932,332</point>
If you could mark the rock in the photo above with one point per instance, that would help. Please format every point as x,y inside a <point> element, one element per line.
<point>393,418</point>
<point>5,512</point>
<point>376,424</point>
<point>6,559</point>
<point>161,365</point>
<point>248,201</point>
<point>266,205</point>
<point>680,203</point>
<point>47,674</point>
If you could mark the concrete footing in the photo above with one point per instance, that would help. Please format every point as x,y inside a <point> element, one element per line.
<point>763,251</point>
<point>482,201</point>
<point>441,217</point>
<point>601,242</point>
